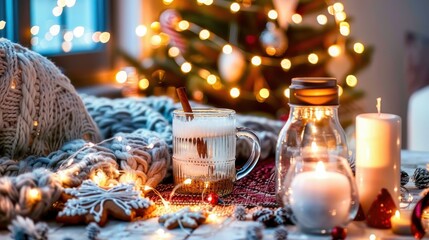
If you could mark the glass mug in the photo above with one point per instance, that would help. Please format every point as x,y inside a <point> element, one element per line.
<point>204,146</point>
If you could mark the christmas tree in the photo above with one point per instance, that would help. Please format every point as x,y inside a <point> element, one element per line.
<point>242,54</point>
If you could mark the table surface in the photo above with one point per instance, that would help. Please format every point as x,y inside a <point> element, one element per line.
<point>226,227</point>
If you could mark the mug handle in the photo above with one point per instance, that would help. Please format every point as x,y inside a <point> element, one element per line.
<point>254,156</point>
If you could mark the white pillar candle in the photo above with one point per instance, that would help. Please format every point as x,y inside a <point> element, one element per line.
<point>378,156</point>
<point>320,200</point>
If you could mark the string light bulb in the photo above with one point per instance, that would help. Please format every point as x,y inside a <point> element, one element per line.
<point>186,67</point>
<point>358,47</point>
<point>322,19</point>
<point>256,60</point>
<point>264,93</point>
<point>156,40</point>
<point>141,30</point>
<point>54,29</point>
<point>143,84</point>
<point>286,64</point>
<point>121,77</point>
<point>173,52</point>
<point>338,7</point>
<point>286,92</point>
<point>340,16</point>
<point>57,11</point>
<point>211,79</point>
<point>155,26</point>
<point>334,50</point>
<point>104,37</point>
<point>313,58</point>
<point>344,28</point>
<point>351,80</point>
<point>297,18</point>
<point>340,90</point>
<point>66,46</point>
<point>331,10</point>
<point>167,2</point>
<point>234,92</point>
<point>34,195</point>
<point>78,31</point>
<point>272,14</point>
<point>204,34</point>
<point>183,25</point>
<point>227,49</point>
<point>34,30</point>
<point>234,7</point>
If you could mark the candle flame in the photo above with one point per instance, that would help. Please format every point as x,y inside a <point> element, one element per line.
<point>378,106</point>
<point>314,147</point>
<point>320,167</point>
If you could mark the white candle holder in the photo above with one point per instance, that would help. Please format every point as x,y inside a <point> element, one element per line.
<point>321,193</point>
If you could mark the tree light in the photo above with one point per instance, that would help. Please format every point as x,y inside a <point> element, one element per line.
<point>186,67</point>
<point>61,3</point>
<point>264,93</point>
<point>340,90</point>
<point>351,80</point>
<point>358,47</point>
<point>143,84</point>
<point>70,3</point>
<point>322,19</point>
<point>183,25</point>
<point>297,18</point>
<point>96,36</point>
<point>167,2</point>
<point>173,52</point>
<point>313,58</point>
<point>286,64</point>
<point>331,10</point>
<point>227,49</point>
<point>155,26</point>
<point>256,60</point>
<point>334,50</point>
<point>338,7</point>
<point>141,30</point>
<point>235,7</point>
<point>286,92</point>
<point>344,28</point>
<point>234,92</point>
<point>155,40</point>
<point>272,14</point>
<point>340,16</point>
<point>204,34</point>
<point>211,79</point>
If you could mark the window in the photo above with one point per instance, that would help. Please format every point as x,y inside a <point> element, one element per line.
<point>67,26</point>
<point>74,34</point>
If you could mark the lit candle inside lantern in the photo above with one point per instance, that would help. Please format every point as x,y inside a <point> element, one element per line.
<point>401,223</point>
<point>316,203</point>
<point>378,155</point>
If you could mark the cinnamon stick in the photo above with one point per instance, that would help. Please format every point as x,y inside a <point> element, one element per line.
<point>201,144</point>
<point>183,98</point>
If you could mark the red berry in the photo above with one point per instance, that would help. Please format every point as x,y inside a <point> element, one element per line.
<point>339,233</point>
<point>212,198</point>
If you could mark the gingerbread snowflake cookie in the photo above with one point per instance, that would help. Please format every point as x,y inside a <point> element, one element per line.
<point>94,204</point>
<point>184,217</point>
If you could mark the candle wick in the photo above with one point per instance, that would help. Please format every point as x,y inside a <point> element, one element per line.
<point>378,106</point>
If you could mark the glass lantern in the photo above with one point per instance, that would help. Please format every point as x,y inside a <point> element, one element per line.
<point>320,192</point>
<point>313,121</point>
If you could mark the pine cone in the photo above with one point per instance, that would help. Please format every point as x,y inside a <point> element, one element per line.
<point>282,216</point>
<point>240,213</point>
<point>405,178</point>
<point>265,216</point>
<point>280,233</point>
<point>254,232</point>
<point>421,178</point>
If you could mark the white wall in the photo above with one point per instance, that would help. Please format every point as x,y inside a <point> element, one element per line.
<point>383,24</point>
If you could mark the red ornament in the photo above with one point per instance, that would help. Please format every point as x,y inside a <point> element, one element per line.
<point>339,233</point>
<point>360,216</point>
<point>212,198</point>
<point>416,219</point>
<point>381,210</point>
